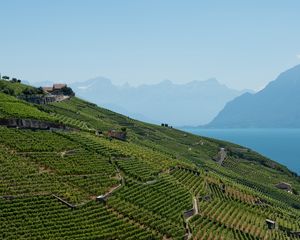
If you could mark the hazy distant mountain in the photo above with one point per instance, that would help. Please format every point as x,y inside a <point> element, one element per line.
<point>177,104</point>
<point>277,105</point>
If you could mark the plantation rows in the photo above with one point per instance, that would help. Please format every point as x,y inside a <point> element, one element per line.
<point>47,218</point>
<point>232,212</point>
<point>19,178</point>
<point>234,215</point>
<point>240,195</point>
<point>93,144</point>
<point>54,165</point>
<point>145,217</point>
<point>282,198</point>
<point>137,169</point>
<point>162,197</point>
<point>287,202</point>
<point>204,184</point>
<point>241,217</point>
<point>145,158</point>
<point>93,184</point>
<point>192,182</point>
<point>97,117</point>
<point>205,228</point>
<point>262,174</point>
<point>128,149</point>
<point>79,162</point>
<point>72,122</point>
<point>11,107</point>
<point>77,109</point>
<point>34,141</point>
<point>43,185</point>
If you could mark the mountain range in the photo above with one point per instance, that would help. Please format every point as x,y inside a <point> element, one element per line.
<point>193,103</point>
<point>276,106</point>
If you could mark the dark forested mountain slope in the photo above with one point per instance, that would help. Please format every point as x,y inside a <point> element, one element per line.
<point>277,105</point>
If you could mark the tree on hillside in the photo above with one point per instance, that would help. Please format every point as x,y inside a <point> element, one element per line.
<point>8,91</point>
<point>33,91</point>
<point>67,91</point>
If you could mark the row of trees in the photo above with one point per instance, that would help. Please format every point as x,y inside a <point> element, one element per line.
<point>33,91</point>
<point>12,79</point>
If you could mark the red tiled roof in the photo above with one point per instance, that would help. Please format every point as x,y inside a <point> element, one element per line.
<point>48,89</point>
<point>59,85</point>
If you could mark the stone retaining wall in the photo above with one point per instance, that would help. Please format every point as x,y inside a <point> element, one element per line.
<point>30,124</point>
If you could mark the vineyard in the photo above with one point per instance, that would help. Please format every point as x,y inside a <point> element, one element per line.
<point>161,183</point>
<point>12,107</point>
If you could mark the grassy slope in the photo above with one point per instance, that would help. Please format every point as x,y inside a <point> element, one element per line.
<point>17,88</point>
<point>77,166</point>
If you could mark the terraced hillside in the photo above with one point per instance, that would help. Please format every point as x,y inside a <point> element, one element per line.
<point>161,183</point>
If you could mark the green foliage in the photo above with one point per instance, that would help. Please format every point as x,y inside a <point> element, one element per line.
<point>15,88</point>
<point>11,107</point>
<point>46,218</point>
<point>67,91</point>
<point>32,91</point>
<point>149,181</point>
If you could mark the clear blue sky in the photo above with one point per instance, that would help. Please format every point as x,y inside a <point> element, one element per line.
<point>244,44</point>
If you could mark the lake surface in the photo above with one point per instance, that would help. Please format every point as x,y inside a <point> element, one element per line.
<point>281,145</point>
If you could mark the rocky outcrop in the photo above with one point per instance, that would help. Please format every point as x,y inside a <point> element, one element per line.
<point>30,124</point>
<point>38,99</point>
<point>43,99</point>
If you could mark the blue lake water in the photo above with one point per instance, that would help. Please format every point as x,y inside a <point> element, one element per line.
<point>281,145</point>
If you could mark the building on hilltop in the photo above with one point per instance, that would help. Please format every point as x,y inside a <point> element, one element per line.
<point>57,93</point>
<point>47,89</point>
<point>55,87</point>
<point>59,86</point>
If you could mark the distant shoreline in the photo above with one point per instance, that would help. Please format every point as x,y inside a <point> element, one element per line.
<point>279,144</point>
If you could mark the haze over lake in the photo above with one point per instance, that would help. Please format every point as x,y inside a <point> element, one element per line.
<point>281,145</point>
